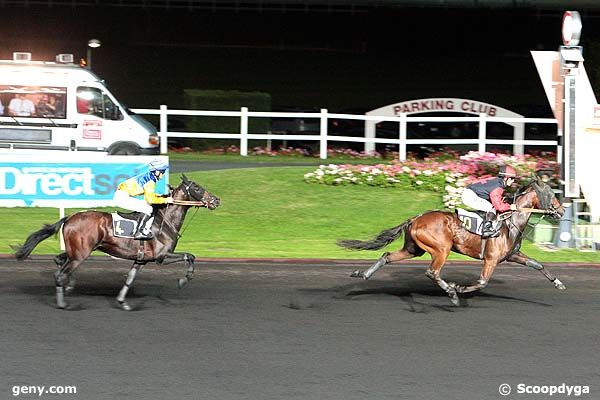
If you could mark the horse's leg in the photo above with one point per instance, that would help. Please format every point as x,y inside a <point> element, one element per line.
<point>486,273</point>
<point>385,258</point>
<point>128,283</point>
<point>522,259</point>
<point>438,259</point>
<point>62,278</point>
<point>188,258</point>
<point>68,280</point>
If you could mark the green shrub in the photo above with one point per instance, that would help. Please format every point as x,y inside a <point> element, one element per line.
<point>224,100</point>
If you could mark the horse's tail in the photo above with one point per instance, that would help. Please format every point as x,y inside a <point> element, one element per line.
<point>383,239</point>
<point>23,251</point>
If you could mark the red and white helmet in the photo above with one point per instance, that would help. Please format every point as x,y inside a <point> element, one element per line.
<point>507,171</point>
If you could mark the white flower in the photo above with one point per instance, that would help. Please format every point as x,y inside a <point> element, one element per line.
<point>419,182</point>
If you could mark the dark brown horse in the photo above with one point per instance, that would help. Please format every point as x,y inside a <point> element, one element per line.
<point>87,231</point>
<point>440,232</point>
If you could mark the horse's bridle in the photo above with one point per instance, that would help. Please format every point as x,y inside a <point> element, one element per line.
<point>544,195</point>
<point>202,202</point>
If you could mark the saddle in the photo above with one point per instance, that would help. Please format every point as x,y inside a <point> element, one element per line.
<point>125,224</point>
<point>472,221</point>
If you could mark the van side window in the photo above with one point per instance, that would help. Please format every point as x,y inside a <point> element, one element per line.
<point>93,101</point>
<point>32,101</point>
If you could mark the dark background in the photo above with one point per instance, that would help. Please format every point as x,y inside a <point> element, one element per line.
<point>344,56</point>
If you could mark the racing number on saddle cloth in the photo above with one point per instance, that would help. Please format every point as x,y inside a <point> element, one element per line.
<point>123,227</point>
<point>118,229</point>
<point>466,221</point>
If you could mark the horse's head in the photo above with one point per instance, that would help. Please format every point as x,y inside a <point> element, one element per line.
<point>538,194</point>
<point>191,191</point>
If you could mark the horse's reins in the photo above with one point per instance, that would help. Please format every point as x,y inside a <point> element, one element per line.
<point>193,203</point>
<point>535,210</point>
<point>189,203</point>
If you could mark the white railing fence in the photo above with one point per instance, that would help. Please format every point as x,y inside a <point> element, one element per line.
<point>323,137</point>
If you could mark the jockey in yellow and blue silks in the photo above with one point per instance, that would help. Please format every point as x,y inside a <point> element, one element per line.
<point>143,184</point>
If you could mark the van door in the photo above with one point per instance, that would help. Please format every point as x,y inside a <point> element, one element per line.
<point>101,119</point>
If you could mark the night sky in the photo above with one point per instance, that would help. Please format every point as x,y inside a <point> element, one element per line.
<point>337,60</point>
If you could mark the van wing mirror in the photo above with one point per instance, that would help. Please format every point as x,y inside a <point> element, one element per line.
<point>116,114</point>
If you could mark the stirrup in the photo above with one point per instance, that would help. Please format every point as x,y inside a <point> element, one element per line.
<point>142,236</point>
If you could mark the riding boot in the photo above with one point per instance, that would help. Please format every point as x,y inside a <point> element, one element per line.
<point>142,232</point>
<point>488,225</point>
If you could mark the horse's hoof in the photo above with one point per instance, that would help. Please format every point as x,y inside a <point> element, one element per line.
<point>124,306</point>
<point>559,285</point>
<point>181,282</point>
<point>62,306</point>
<point>454,297</point>
<point>358,274</point>
<point>69,289</point>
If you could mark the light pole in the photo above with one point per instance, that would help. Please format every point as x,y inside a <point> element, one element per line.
<point>92,44</point>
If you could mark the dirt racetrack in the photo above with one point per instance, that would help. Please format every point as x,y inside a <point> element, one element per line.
<point>274,330</point>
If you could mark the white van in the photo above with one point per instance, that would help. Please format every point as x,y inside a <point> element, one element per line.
<point>61,106</point>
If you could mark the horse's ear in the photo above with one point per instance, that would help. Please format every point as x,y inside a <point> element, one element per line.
<point>184,178</point>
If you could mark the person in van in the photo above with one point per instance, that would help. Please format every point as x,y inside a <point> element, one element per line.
<point>21,106</point>
<point>143,184</point>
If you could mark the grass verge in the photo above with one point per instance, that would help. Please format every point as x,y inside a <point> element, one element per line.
<point>272,213</point>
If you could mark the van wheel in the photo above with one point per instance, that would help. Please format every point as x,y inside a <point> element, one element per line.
<point>125,150</point>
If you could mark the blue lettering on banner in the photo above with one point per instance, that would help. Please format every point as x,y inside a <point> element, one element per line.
<point>53,184</point>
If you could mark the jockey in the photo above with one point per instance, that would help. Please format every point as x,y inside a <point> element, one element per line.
<point>486,195</point>
<point>145,184</point>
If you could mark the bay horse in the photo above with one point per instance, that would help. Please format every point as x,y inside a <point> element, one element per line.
<point>87,231</point>
<point>440,232</point>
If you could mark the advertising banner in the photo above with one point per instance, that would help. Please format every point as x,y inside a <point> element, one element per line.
<point>73,180</point>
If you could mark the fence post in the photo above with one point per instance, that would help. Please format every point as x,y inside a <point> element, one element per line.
<point>323,140</point>
<point>402,144</point>
<point>244,132</point>
<point>163,129</point>
<point>482,133</point>
<point>61,239</point>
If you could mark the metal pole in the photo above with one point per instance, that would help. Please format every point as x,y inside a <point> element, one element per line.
<point>89,57</point>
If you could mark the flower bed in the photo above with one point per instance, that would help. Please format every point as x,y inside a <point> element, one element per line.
<point>447,173</point>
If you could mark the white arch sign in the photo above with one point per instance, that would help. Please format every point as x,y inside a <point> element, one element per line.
<point>444,104</point>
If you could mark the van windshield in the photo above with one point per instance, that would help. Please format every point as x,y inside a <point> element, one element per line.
<point>33,101</point>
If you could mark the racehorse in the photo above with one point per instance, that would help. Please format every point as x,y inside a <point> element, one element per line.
<point>440,232</point>
<point>87,231</point>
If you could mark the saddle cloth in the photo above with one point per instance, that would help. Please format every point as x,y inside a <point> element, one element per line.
<point>473,221</point>
<point>124,224</point>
